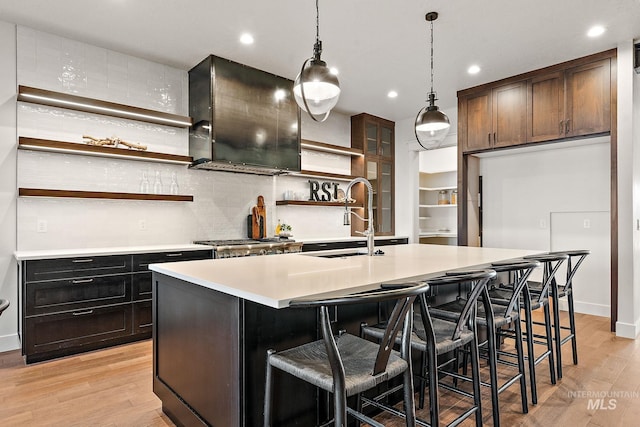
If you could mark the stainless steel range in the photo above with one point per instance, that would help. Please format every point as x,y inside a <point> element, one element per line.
<point>249,247</point>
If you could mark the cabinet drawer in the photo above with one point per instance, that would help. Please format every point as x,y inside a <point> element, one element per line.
<point>142,318</point>
<point>68,330</point>
<point>64,268</point>
<point>141,261</point>
<point>141,286</point>
<point>75,294</point>
<point>398,241</point>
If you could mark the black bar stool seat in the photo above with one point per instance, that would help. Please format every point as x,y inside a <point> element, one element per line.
<point>346,365</point>
<point>310,363</point>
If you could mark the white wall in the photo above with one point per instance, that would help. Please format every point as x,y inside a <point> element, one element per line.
<point>8,270</point>
<point>528,194</point>
<point>628,324</point>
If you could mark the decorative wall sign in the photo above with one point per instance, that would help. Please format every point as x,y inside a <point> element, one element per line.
<point>323,192</point>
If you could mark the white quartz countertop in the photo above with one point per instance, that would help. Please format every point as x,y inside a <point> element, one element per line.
<point>69,253</point>
<point>275,280</point>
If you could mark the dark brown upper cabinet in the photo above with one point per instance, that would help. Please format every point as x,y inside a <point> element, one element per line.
<point>570,103</point>
<point>588,99</point>
<point>495,117</point>
<point>567,100</point>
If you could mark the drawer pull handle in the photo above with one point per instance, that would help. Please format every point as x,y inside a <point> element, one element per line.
<point>83,260</point>
<point>178,254</point>
<point>82,313</point>
<point>322,245</point>
<point>75,282</point>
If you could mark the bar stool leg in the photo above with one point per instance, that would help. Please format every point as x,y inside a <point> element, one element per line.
<point>557,338</point>
<point>268,390</point>
<point>520,353</point>
<point>531,353</point>
<point>572,328</point>
<point>547,325</point>
<point>475,375</point>
<point>493,372</point>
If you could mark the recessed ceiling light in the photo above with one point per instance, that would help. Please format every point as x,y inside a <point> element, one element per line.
<point>392,94</point>
<point>474,69</point>
<point>246,38</point>
<point>595,31</point>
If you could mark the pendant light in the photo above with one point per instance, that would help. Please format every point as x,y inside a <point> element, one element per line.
<point>432,125</point>
<point>316,89</point>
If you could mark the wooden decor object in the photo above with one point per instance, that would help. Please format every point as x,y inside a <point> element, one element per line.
<point>259,220</point>
<point>113,141</point>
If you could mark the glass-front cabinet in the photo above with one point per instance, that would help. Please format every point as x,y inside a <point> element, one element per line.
<point>376,137</point>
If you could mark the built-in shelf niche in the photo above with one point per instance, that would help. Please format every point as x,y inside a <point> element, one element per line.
<point>96,106</point>
<point>94,150</point>
<point>76,194</point>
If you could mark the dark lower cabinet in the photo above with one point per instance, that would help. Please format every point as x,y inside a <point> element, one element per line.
<point>71,305</point>
<point>352,244</point>
<point>142,319</point>
<point>73,332</point>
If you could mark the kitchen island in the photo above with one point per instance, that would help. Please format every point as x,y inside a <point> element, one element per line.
<point>215,319</point>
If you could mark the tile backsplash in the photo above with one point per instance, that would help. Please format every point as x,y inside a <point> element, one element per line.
<point>222,200</point>
<point>55,63</point>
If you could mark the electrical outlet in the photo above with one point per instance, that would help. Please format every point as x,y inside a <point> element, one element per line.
<point>142,224</point>
<point>586,223</point>
<point>42,226</point>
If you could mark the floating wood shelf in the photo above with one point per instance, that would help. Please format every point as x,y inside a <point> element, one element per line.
<point>40,192</point>
<point>311,203</point>
<point>330,148</point>
<point>452,187</point>
<point>96,106</point>
<point>95,150</point>
<point>315,174</point>
<point>449,205</point>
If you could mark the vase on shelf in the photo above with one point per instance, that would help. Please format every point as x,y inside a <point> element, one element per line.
<point>157,184</point>
<point>175,190</point>
<point>144,183</point>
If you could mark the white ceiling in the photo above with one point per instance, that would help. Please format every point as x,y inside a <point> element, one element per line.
<point>377,45</point>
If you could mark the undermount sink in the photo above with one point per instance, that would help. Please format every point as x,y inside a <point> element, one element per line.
<point>332,254</point>
<point>341,255</point>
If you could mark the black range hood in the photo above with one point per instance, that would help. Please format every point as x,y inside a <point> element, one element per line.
<point>245,119</point>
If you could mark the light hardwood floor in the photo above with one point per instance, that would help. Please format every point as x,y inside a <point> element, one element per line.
<point>112,387</point>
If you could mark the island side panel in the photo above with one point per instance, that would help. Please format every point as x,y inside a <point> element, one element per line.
<point>295,402</point>
<point>196,353</point>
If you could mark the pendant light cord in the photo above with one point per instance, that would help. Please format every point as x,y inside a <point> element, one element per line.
<point>317,22</point>
<point>431,56</point>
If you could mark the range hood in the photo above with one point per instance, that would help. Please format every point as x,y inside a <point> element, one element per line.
<point>245,119</point>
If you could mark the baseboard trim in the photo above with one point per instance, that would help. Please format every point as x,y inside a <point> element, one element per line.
<point>600,310</point>
<point>628,330</point>
<point>9,343</point>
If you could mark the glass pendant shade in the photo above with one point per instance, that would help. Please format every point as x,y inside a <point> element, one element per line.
<point>316,89</point>
<point>431,127</point>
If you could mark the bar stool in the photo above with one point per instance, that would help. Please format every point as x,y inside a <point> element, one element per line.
<point>348,365</point>
<point>3,305</point>
<point>434,337</point>
<point>557,291</point>
<point>494,317</point>
<point>533,301</point>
